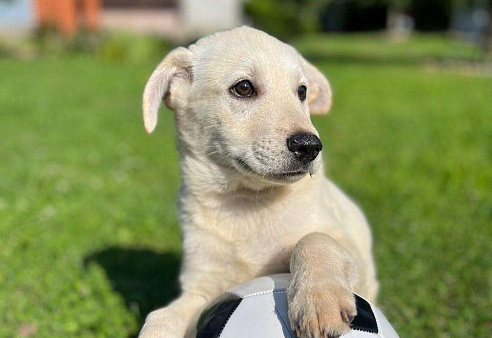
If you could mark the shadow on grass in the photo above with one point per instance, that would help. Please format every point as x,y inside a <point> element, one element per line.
<point>145,279</point>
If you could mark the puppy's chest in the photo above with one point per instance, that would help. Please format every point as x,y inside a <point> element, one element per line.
<point>259,239</point>
<point>264,246</point>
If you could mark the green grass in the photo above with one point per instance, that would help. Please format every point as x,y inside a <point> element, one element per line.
<point>90,239</point>
<point>377,48</point>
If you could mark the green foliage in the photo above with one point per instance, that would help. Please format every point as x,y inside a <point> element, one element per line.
<point>286,18</point>
<point>398,4</point>
<point>4,52</point>
<point>403,5</point>
<point>129,48</point>
<point>48,41</point>
<point>115,47</point>
<point>90,239</point>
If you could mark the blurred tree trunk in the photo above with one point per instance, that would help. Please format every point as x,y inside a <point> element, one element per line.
<point>488,32</point>
<point>393,13</point>
<point>397,24</point>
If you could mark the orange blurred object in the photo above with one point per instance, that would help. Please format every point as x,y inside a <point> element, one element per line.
<point>68,15</point>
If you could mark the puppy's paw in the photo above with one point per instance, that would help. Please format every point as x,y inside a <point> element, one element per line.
<point>162,324</point>
<point>321,311</point>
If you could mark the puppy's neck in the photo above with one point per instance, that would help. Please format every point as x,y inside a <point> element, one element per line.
<point>207,182</point>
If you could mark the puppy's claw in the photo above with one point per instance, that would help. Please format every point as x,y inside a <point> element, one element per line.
<point>346,316</point>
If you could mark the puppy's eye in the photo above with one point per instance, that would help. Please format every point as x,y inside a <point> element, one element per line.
<point>301,92</point>
<point>243,89</point>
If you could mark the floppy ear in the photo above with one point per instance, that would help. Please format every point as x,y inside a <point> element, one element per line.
<point>166,82</point>
<point>319,90</point>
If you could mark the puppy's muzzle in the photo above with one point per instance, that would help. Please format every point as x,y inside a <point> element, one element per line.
<point>305,146</point>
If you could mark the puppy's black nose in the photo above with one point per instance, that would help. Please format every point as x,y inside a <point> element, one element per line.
<point>306,147</point>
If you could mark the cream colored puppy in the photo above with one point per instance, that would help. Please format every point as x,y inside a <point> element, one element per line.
<point>253,199</point>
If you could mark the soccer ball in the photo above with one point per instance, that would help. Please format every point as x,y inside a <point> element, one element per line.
<point>259,309</point>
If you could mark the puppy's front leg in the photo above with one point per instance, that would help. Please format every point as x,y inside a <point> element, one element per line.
<point>321,303</point>
<point>174,320</point>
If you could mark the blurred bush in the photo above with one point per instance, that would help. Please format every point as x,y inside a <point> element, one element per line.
<point>47,41</point>
<point>4,52</point>
<point>113,47</point>
<point>129,48</point>
<point>286,18</point>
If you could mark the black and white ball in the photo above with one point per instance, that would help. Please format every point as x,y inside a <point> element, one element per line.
<point>259,309</point>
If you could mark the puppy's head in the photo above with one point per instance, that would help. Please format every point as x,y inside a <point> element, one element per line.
<point>243,100</point>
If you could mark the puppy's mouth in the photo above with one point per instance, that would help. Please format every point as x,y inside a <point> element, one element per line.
<point>286,176</point>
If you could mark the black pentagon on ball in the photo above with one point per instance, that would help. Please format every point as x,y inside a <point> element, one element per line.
<point>365,319</point>
<point>213,320</point>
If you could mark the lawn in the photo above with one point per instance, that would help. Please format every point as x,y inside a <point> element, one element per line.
<point>88,226</point>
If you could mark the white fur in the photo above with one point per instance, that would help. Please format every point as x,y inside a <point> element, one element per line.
<point>240,216</point>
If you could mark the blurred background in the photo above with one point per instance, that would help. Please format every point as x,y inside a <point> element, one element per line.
<point>90,242</point>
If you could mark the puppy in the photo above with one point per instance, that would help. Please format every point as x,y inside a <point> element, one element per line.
<point>253,199</point>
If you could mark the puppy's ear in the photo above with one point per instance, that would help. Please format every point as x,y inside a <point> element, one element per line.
<point>319,90</point>
<point>169,80</point>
